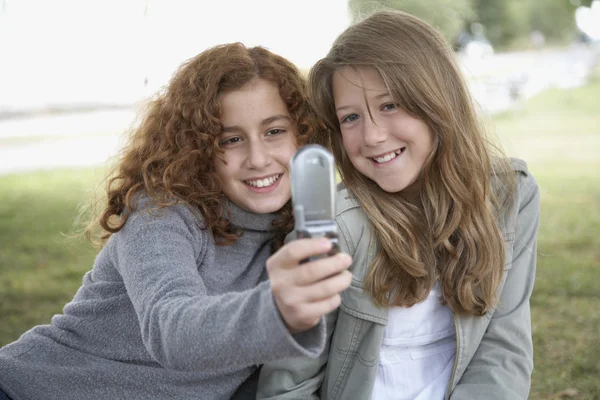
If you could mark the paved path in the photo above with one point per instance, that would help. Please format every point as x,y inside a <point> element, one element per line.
<point>91,138</point>
<point>65,140</point>
<point>58,153</point>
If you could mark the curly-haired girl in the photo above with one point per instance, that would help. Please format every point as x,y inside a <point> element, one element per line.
<point>178,304</point>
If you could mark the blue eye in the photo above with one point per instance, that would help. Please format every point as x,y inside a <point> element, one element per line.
<point>349,118</point>
<point>388,107</point>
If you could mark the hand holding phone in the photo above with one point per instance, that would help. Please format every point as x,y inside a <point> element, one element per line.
<point>307,275</point>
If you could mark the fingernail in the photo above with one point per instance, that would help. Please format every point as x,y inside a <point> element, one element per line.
<point>347,259</point>
<point>325,244</point>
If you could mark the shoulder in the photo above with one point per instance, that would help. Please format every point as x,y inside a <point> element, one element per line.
<point>519,165</point>
<point>512,176</point>
<point>150,231</point>
<point>526,184</point>
<point>523,197</point>
<point>146,214</point>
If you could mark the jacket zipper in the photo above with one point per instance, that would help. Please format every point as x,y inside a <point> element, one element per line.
<point>455,357</point>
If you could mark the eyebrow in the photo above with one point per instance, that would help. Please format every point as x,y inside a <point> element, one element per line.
<point>264,122</point>
<point>378,97</point>
<point>382,95</point>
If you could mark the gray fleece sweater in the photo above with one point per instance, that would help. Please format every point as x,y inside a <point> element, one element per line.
<point>164,314</point>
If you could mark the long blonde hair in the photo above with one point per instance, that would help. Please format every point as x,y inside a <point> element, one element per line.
<point>451,233</point>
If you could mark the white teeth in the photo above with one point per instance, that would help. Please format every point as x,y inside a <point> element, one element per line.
<point>263,182</point>
<point>387,157</point>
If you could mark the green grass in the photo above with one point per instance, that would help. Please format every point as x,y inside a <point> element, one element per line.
<point>558,133</point>
<point>40,269</point>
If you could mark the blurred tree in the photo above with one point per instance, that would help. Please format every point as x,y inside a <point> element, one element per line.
<point>449,16</point>
<point>555,19</point>
<point>508,20</point>
<point>503,20</point>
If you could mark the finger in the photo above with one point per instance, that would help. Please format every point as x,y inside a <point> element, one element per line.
<point>309,314</point>
<point>292,297</point>
<point>292,253</point>
<point>314,271</point>
<point>326,288</point>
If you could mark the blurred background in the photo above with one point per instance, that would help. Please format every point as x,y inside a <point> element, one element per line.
<point>73,73</point>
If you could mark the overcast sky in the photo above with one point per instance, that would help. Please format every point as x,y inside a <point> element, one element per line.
<point>63,51</point>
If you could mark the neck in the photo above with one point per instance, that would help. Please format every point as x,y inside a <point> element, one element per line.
<point>246,220</point>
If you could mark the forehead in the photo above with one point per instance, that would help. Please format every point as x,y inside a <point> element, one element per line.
<point>257,100</point>
<point>352,80</point>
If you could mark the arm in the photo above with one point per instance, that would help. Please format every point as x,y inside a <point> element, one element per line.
<point>296,378</point>
<point>502,365</point>
<point>182,326</point>
<point>302,377</point>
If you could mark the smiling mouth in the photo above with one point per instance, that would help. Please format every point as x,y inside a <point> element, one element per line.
<point>388,156</point>
<point>264,182</point>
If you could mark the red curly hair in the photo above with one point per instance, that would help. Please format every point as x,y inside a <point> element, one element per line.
<point>170,155</point>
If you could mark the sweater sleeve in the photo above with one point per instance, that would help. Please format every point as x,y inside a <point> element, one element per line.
<point>182,326</point>
<point>302,377</point>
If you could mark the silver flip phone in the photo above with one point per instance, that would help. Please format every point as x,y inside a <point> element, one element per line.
<point>312,172</point>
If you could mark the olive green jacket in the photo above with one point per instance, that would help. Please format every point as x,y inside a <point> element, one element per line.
<point>494,357</point>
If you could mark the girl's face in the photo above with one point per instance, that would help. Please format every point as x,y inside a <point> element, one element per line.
<point>382,141</point>
<point>258,140</point>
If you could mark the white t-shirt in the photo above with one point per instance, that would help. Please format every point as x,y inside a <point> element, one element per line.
<point>417,353</point>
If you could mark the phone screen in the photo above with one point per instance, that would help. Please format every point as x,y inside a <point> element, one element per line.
<point>313,183</point>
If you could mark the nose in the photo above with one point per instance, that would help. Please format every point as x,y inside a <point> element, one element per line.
<point>373,134</point>
<point>259,155</point>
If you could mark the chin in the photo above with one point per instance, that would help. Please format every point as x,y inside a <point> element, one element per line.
<point>391,187</point>
<point>268,208</point>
